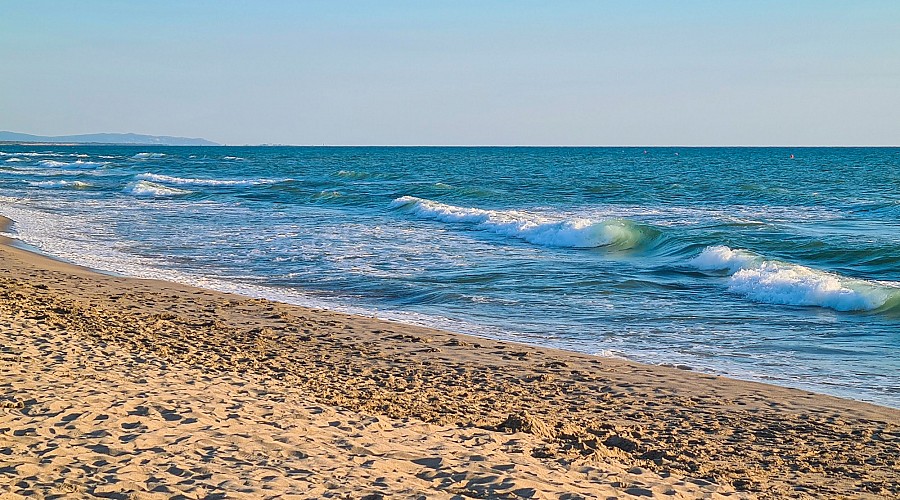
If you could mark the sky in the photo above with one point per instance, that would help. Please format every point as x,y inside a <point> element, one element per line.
<point>344,72</point>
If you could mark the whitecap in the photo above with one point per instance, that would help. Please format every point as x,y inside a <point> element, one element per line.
<point>152,189</point>
<point>56,184</point>
<point>539,230</point>
<point>52,163</point>
<point>722,258</point>
<point>144,156</point>
<point>168,179</point>
<point>42,172</point>
<point>14,159</point>
<point>73,164</point>
<point>785,283</point>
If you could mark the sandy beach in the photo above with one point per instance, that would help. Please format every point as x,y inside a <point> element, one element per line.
<point>125,388</point>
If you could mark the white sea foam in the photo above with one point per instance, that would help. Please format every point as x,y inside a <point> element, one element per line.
<point>536,229</point>
<point>56,184</point>
<point>722,258</point>
<point>609,353</point>
<point>775,282</point>
<point>14,159</point>
<point>36,171</point>
<point>152,189</point>
<point>206,182</point>
<point>232,158</point>
<point>144,156</point>
<point>52,163</point>
<point>73,164</point>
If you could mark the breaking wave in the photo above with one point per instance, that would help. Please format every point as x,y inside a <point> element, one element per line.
<point>144,156</point>
<point>57,184</point>
<point>539,230</point>
<point>153,190</point>
<point>206,182</point>
<point>776,282</point>
<point>73,164</point>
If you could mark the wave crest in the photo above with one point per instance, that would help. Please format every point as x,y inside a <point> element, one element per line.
<point>168,179</point>
<point>776,282</point>
<point>73,164</point>
<point>568,233</point>
<point>56,184</point>
<point>153,190</point>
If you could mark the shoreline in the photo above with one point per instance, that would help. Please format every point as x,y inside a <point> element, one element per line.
<point>6,223</point>
<point>462,327</point>
<point>751,437</point>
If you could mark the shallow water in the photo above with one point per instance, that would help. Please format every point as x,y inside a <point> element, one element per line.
<point>742,261</point>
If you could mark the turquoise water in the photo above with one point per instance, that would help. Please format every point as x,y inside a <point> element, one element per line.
<point>742,261</point>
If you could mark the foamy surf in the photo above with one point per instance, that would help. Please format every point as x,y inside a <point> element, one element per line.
<point>153,190</point>
<point>168,179</point>
<point>535,229</point>
<point>353,249</point>
<point>145,156</point>
<point>62,184</point>
<point>71,164</point>
<point>776,282</point>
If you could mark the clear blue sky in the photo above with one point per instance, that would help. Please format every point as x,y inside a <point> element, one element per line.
<point>456,72</point>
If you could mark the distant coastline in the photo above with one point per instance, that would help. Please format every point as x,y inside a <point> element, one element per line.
<point>106,138</point>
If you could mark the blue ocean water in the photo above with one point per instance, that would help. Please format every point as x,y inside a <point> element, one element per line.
<point>749,262</point>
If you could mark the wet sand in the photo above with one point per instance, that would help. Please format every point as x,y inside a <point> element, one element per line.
<point>132,388</point>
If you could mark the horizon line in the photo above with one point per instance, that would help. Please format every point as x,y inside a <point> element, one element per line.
<point>698,146</point>
<point>563,145</point>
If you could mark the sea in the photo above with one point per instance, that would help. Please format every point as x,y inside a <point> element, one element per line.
<point>779,265</point>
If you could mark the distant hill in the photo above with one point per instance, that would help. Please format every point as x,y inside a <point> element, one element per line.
<point>162,140</point>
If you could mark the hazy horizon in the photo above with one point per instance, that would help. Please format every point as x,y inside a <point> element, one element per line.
<point>462,73</point>
<point>630,146</point>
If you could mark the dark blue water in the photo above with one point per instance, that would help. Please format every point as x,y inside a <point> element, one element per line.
<point>743,261</point>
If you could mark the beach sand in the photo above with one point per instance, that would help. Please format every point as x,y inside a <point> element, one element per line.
<point>127,388</point>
